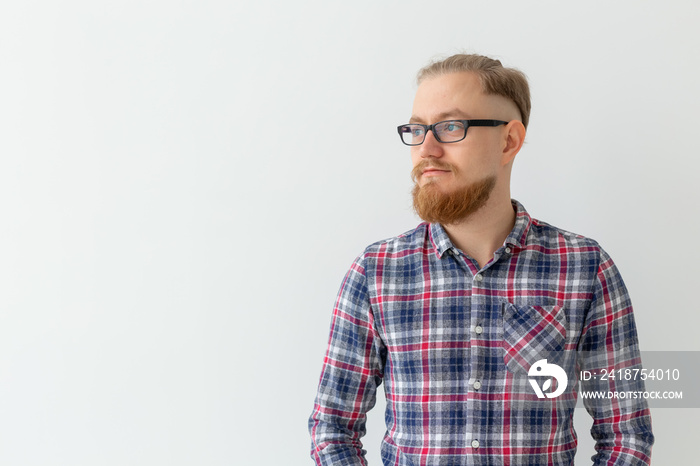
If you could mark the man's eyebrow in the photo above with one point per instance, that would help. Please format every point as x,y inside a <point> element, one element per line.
<point>451,114</point>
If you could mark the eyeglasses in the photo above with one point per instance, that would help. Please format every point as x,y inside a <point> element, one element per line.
<point>444,131</point>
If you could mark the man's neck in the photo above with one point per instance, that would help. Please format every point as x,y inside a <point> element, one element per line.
<point>484,231</point>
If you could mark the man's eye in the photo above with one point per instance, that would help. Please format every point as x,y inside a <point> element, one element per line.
<point>453,127</point>
<point>417,131</point>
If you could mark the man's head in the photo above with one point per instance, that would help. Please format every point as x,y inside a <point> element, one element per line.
<point>455,179</point>
<point>495,79</point>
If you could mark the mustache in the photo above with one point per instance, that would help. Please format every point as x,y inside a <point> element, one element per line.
<point>424,164</point>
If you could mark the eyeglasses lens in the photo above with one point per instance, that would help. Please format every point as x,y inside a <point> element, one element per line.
<point>446,131</point>
<point>450,131</point>
<point>412,134</point>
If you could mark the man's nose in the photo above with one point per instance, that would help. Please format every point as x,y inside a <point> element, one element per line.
<point>430,147</point>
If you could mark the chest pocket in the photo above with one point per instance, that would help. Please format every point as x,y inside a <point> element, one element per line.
<point>531,333</point>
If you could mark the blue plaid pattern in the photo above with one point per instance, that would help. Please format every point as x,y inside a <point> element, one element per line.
<point>453,344</point>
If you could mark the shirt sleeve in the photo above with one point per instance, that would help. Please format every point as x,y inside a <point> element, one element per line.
<point>352,371</point>
<point>621,424</point>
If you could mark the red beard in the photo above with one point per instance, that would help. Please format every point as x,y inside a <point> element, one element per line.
<point>434,206</point>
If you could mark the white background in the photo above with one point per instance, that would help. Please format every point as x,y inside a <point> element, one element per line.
<point>183,185</point>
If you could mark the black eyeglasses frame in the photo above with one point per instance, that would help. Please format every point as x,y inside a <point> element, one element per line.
<point>466,123</point>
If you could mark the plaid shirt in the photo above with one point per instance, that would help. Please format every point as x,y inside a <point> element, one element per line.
<point>454,344</point>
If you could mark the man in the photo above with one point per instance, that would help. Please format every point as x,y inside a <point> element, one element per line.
<point>480,320</point>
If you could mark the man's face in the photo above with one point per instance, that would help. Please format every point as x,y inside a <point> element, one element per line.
<point>454,180</point>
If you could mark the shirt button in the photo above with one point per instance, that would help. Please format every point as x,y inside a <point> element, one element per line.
<point>477,385</point>
<point>478,329</point>
<point>479,277</point>
<point>475,444</point>
<point>508,250</point>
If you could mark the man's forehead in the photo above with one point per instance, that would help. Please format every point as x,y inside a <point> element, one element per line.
<point>448,96</point>
<point>452,114</point>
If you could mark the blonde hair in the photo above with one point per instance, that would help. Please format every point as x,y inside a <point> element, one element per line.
<point>495,78</point>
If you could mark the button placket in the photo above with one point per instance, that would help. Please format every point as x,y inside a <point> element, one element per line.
<point>479,320</point>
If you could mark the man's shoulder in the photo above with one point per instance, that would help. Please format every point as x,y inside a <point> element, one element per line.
<point>552,237</point>
<point>406,240</point>
<point>403,245</point>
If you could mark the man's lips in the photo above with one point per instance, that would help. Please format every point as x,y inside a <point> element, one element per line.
<point>431,171</point>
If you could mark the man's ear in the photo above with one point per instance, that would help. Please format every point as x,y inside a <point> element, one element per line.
<point>514,139</point>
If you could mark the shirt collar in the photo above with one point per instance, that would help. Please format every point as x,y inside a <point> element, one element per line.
<point>442,243</point>
<point>523,222</point>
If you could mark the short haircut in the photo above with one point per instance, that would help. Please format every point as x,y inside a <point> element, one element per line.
<point>495,78</point>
